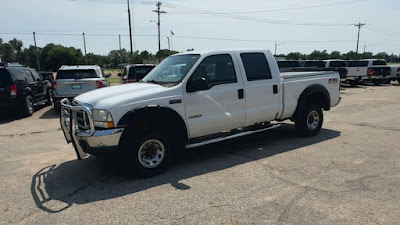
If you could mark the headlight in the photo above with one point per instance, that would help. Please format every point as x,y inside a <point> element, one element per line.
<point>102,118</point>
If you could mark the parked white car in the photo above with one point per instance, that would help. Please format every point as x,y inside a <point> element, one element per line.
<point>356,71</point>
<point>214,96</point>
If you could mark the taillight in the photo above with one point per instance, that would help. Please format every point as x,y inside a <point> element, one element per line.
<point>398,69</point>
<point>53,85</point>
<point>370,71</point>
<point>99,84</point>
<point>347,71</point>
<point>13,90</point>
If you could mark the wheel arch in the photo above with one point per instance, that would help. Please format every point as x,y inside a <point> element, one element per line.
<point>314,94</point>
<point>155,115</point>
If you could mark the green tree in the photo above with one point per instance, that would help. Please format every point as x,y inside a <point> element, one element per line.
<point>7,53</point>
<point>17,46</point>
<point>317,55</point>
<point>165,53</point>
<point>295,56</point>
<point>115,57</point>
<point>59,55</point>
<point>335,55</point>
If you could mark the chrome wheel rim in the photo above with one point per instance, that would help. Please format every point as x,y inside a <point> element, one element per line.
<point>151,153</point>
<point>30,106</point>
<point>313,120</point>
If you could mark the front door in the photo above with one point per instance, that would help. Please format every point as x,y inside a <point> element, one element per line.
<point>221,105</point>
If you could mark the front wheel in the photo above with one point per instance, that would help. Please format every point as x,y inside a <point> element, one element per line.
<point>309,122</point>
<point>148,154</point>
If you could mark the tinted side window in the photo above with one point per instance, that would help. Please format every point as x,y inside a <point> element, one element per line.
<point>28,76</point>
<point>216,69</point>
<point>256,66</point>
<point>379,63</point>
<point>36,76</point>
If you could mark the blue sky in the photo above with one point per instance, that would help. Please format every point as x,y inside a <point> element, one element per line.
<point>277,21</point>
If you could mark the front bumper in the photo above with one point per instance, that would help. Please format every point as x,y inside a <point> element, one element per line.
<point>84,137</point>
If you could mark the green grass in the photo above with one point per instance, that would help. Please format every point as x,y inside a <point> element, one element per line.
<point>114,80</point>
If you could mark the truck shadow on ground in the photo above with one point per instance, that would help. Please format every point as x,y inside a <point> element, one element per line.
<point>56,188</point>
<point>51,113</point>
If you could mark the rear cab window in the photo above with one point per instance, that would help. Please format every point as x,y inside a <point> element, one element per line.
<point>379,63</point>
<point>357,63</point>
<point>336,64</point>
<point>256,66</point>
<point>76,74</point>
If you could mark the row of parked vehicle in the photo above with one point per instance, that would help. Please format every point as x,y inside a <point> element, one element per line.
<point>22,88</point>
<point>352,72</point>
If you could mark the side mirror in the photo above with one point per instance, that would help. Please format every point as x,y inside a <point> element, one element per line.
<point>197,84</point>
<point>119,74</point>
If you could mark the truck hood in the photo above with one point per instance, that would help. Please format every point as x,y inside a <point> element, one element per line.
<point>102,98</point>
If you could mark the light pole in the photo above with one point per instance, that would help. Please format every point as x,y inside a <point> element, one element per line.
<point>169,45</point>
<point>277,44</point>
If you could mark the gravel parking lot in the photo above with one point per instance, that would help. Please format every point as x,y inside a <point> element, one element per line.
<point>349,174</point>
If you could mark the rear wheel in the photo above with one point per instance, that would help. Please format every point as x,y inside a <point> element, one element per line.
<point>309,122</point>
<point>29,107</point>
<point>398,80</point>
<point>48,97</point>
<point>149,153</point>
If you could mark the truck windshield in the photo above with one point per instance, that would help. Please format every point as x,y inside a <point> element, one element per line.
<point>76,74</point>
<point>172,70</point>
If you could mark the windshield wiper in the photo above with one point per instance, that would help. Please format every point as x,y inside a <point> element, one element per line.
<point>154,82</point>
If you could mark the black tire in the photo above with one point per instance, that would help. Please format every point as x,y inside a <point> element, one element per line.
<point>144,144</point>
<point>353,83</point>
<point>398,80</point>
<point>387,81</point>
<point>29,107</point>
<point>48,97</point>
<point>305,127</point>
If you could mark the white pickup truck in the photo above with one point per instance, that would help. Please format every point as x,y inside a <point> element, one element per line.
<point>215,96</point>
<point>356,71</point>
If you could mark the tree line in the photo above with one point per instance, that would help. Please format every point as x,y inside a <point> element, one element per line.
<point>53,56</point>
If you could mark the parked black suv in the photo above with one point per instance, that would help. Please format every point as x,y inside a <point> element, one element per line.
<point>21,88</point>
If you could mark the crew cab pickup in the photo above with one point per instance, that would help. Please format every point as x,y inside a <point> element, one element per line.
<point>213,96</point>
<point>356,71</point>
<point>339,66</point>
<point>378,71</point>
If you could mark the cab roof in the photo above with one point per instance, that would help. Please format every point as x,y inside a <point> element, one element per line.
<point>80,67</point>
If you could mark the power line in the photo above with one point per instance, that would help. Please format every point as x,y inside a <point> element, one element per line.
<point>253,19</point>
<point>283,9</point>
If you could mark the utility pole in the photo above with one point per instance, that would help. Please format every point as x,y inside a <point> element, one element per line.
<point>169,45</point>
<point>84,46</point>
<point>359,25</point>
<point>277,44</point>
<point>120,52</point>
<point>158,11</point>
<point>130,31</point>
<point>37,52</point>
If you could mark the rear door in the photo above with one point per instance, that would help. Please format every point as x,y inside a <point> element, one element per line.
<point>41,86</point>
<point>261,87</point>
<point>70,83</point>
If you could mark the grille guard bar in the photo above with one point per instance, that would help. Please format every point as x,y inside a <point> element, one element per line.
<point>69,125</point>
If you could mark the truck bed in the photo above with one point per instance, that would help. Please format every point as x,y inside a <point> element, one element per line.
<point>292,75</point>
